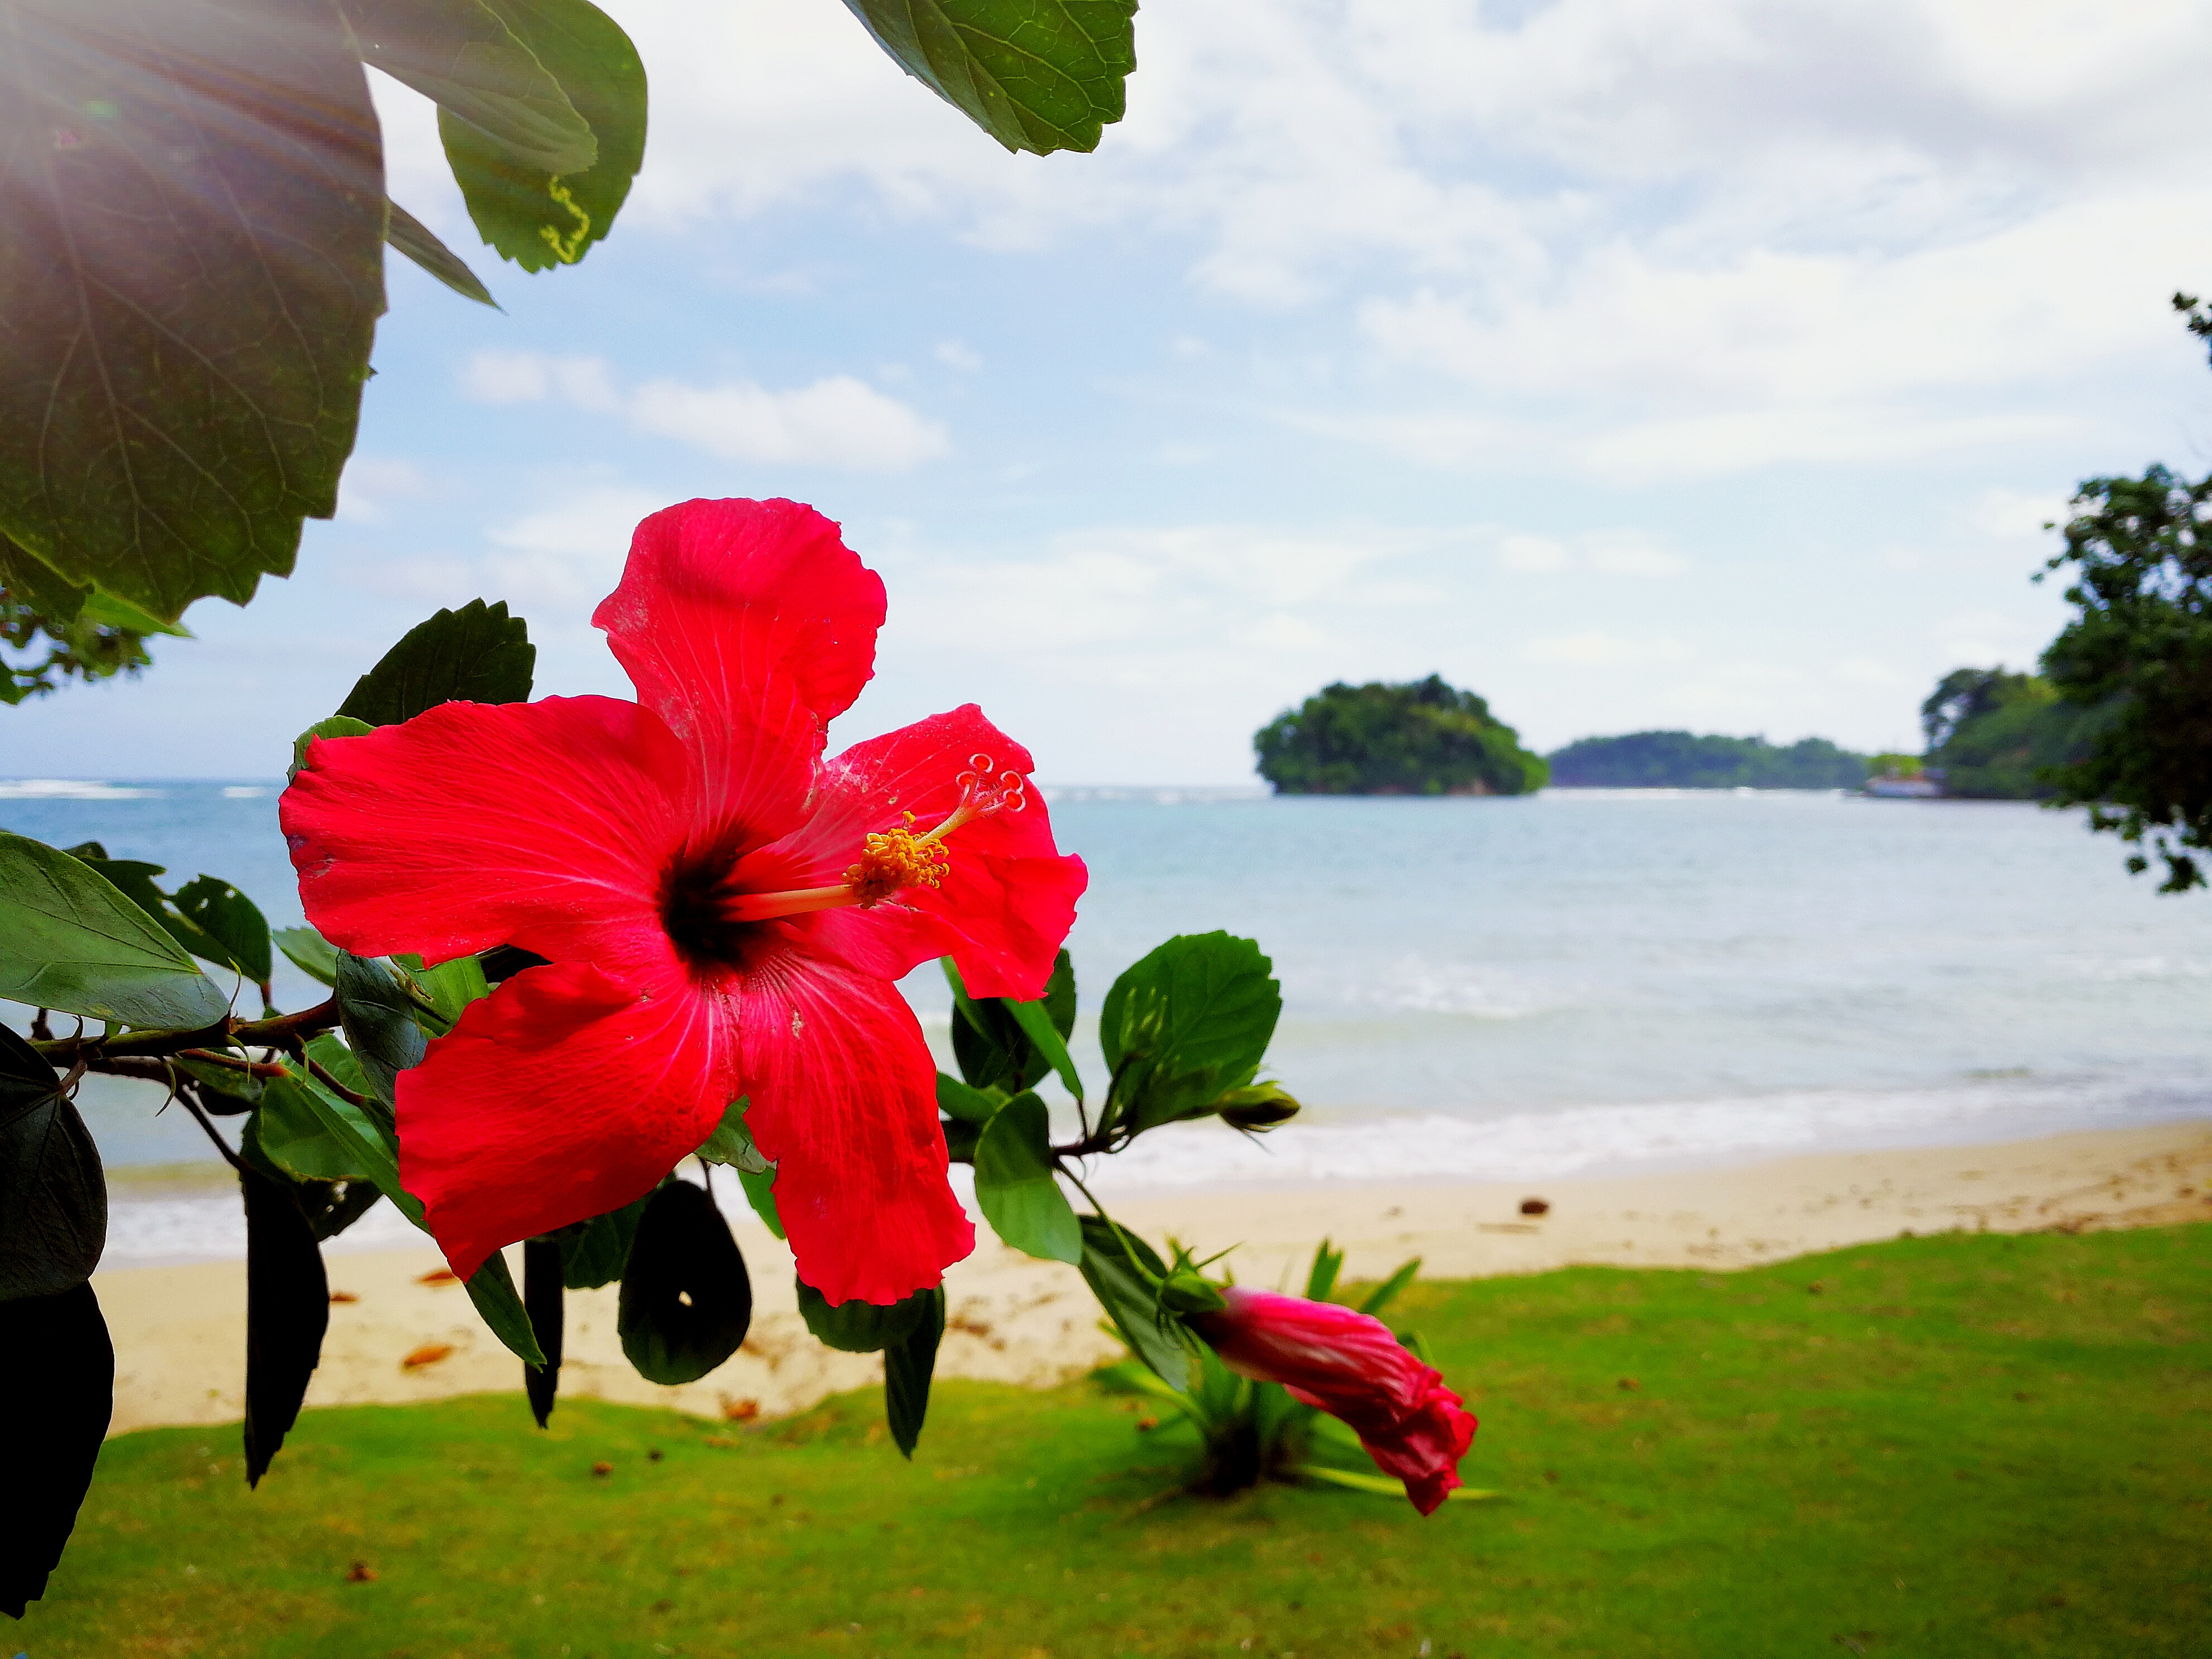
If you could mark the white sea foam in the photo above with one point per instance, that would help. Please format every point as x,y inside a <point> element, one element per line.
<point>71,789</point>
<point>1427,987</point>
<point>244,792</point>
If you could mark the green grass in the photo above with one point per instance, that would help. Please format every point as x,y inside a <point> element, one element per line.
<point>1943,1446</point>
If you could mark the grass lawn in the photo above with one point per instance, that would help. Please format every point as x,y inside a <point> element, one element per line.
<point>1939,1446</point>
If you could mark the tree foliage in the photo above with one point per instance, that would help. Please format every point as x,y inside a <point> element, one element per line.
<point>2139,652</point>
<point>1679,760</point>
<point>1996,735</point>
<point>1422,738</point>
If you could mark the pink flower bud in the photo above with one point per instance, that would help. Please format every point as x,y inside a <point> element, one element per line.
<point>1349,1366</point>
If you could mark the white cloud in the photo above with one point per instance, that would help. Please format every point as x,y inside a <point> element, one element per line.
<point>1609,552</point>
<point>372,485</point>
<point>2015,516</point>
<point>953,354</point>
<point>837,421</point>
<point>1595,648</point>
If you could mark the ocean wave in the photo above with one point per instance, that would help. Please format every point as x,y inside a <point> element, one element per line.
<point>72,789</point>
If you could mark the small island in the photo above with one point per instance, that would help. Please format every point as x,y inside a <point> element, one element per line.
<point>1422,738</point>
<point>1680,760</point>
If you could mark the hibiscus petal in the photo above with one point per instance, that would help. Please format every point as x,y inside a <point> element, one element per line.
<point>1008,897</point>
<point>544,824</point>
<point>844,1096</point>
<point>562,1096</point>
<point>746,626</point>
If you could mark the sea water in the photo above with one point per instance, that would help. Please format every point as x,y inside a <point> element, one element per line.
<point>1579,982</point>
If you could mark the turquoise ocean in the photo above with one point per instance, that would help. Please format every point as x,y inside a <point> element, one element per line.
<point>1578,982</point>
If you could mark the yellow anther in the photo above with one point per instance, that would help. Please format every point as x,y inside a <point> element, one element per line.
<point>895,858</point>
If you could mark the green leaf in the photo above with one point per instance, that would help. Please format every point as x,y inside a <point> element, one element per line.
<point>337,725</point>
<point>70,941</point>
<point>53,1197</point>
<point>378,1018</point>
<point>988,1042</point>
<point>1327,1264</point>
<point>291,1134</point>
<point>329,1051</point>
<point>732,1143</point>
<point>1047,1021</point>
<point>1015,1188</point>
<point>956,1100</point>
<point>1381,1485</point>
<point>1187,1023</point>
<point>53,1415</point>
<point>907,1368</point>
<point>686,1298</point>
<point>1386,1292</point>
<point>477,653</point>
<point>1036,75</point>
<point>537,217</point>
<point>857,1327</point>
<point>449,988</point>
<point>491,1288</point>
<point>594,1253</point>
<point>134,879</point>
<point>759,1193</point>
<point>1125,1275</point>
<point>545,1300</point>
<point>288,1308</point>
<point>229,918</point>
<point>192,228</point>
<point>311,953</point>
<point>460,56</point>
<point>412,237</point>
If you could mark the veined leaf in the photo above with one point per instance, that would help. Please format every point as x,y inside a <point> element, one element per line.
<point>460,56</point>
<point>1124,1273</point>
<point>378,1017</point>
<point>311,953</point>
<point>1016,1187</point>
<point>192,228</point>
<point>70,941</point>
<point>732,1143</point>
<point>538,216</point>
<point>956,1100</point>
<point>231,920</point>
<point>477,653</point>
<point>1036,75</point>
<point>857,1326</point>
<point>1186,1025</point>
<point>53,1197</point>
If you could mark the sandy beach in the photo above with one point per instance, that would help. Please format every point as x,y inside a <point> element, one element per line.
<point>180,1331</point>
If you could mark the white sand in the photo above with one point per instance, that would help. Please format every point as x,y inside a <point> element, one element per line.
<point>180,1332</point>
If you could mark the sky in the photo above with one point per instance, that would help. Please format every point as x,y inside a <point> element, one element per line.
<point>1634,363</point>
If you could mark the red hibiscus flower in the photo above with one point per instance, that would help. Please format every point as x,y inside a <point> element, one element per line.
<point>723,911</point>
<point>1350,1366</point>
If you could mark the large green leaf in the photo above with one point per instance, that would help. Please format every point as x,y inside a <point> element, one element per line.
<point>53,1197</point>
<point>1125,1274</point>
<point>1015,1188</point>
<point>593,1253</point>
<point>191,228</point>
<point>1185,1025</point>
<point>288,1308</point>
<point>311,953</point>
<point>476,654</point>
<point>134,879</point>
<point>732,1143</point>
<point>989,1042</point>
<point>57,1394</point>
<point>231,920</point>
<point>907,1367</point>
<point>70,941</point>
<point>686,1299</point>
<point>460,56</point>
<point>1036,75</point>
<point>541,216</point>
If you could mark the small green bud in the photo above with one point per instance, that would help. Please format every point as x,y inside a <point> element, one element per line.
<point>1259,1107</point>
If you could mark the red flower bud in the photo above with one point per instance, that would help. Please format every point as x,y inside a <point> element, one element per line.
<point>1349,1366</point>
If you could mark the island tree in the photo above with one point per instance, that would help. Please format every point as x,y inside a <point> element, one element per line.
<point>1422,738</point>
